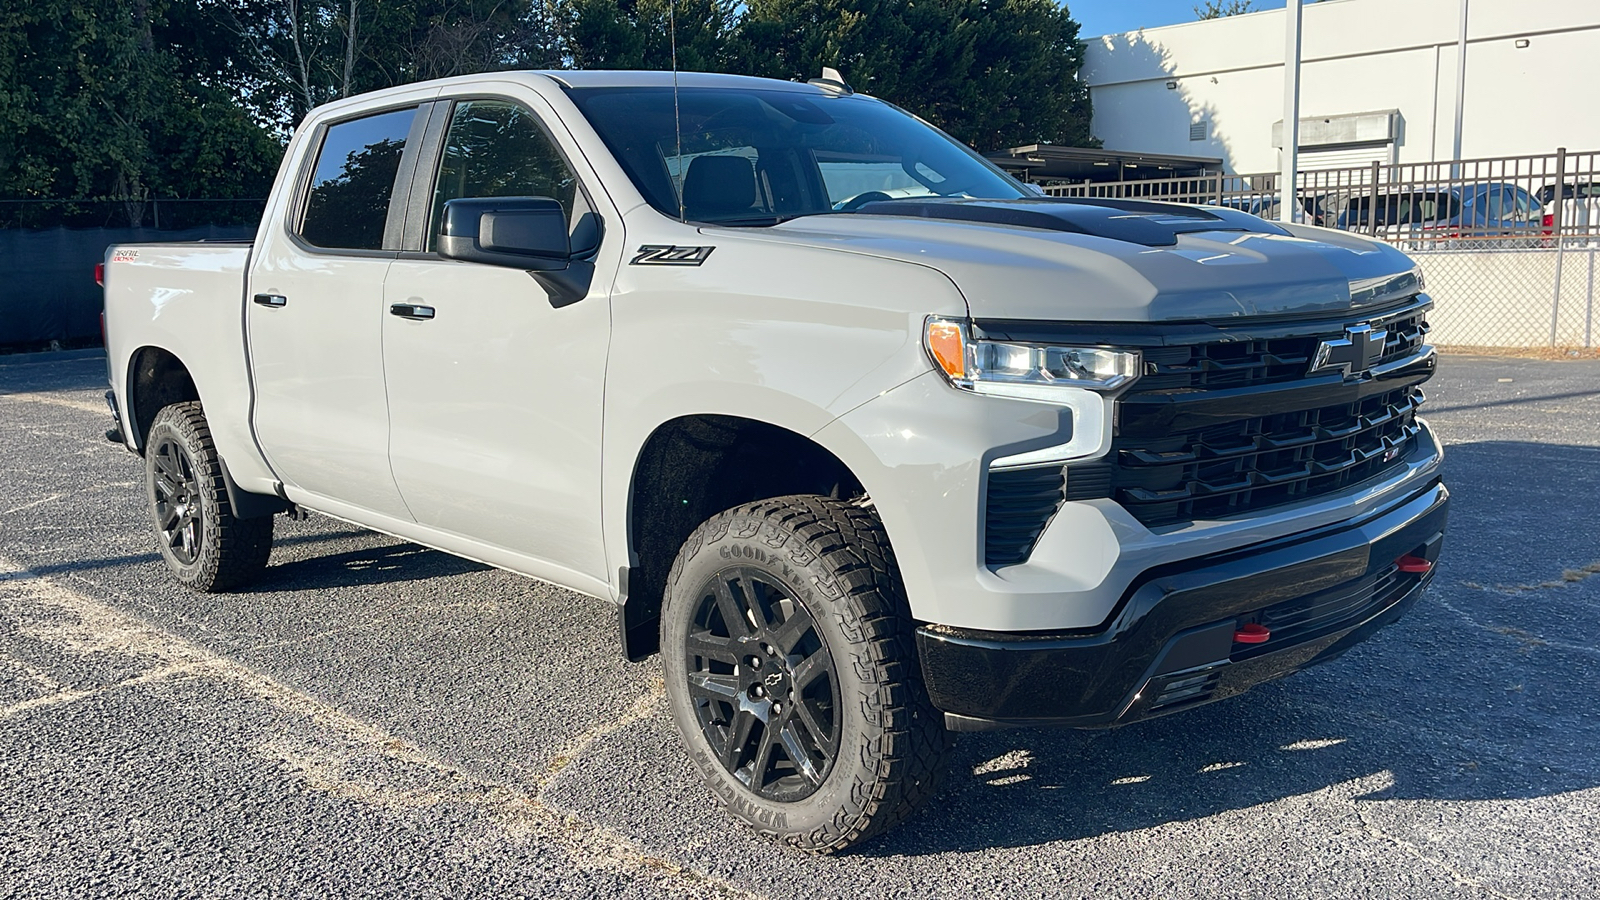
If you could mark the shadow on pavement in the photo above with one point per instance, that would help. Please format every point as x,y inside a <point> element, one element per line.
<point>367,566</point>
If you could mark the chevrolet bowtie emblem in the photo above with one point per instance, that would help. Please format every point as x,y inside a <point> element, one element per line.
<point>1354,354</point>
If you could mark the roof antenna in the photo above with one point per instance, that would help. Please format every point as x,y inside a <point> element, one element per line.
<point>677,118</point>
<point>832,80</point>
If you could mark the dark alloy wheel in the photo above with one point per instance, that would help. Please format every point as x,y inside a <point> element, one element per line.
<point>763,684</point>
<point>177,500</point>
<point>792,672</point>
<point>206,546</point>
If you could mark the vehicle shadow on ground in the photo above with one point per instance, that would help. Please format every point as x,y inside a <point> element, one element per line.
<point>366,566</point>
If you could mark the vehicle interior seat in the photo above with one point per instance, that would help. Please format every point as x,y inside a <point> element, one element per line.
<point>718,187</point>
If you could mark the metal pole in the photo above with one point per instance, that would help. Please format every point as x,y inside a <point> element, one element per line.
<point>1588,309</point>
<point>1555,231</point>
<point>1288,199</point>
<point>1372,203</point>
<point>1461,91</point>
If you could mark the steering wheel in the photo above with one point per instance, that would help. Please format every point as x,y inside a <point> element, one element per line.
<point>862,199</point>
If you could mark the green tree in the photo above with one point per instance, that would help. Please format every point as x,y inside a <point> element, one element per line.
<point>638,34</point>
<point>993,73</point>
<point>1217,9</point>
<point>94,102</point>
<point>283,57</point>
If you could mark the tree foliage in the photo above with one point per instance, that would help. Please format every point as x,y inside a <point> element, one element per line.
<point>94,102</point>
<point>142,98</point>
<point>1217,9</point>
<point>994,73</point>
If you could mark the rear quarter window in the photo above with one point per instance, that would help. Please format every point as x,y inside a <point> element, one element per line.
<point>352,181</point>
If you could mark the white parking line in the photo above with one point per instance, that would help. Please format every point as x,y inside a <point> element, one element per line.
<point>338,754</point>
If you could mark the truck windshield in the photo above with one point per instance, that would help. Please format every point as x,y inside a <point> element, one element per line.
<point>759,157</point>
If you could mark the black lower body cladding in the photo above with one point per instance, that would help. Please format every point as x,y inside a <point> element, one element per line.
<point>1198,631</point>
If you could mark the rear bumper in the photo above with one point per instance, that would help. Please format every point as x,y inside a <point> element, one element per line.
<point>1170,643</point>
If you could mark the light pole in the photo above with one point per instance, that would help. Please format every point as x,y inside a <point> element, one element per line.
<point>1288,199</point>
<point>1461,91</point>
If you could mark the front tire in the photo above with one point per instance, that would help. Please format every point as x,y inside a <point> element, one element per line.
<point>205,545</point>
<point>792,673</point>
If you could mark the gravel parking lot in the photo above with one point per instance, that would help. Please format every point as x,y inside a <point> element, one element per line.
<point>382,719</point>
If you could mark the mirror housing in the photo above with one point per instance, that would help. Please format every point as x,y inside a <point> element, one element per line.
<point>527,233</point>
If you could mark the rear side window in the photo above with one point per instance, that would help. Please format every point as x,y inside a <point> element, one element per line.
<point>353,181</point>
<point>494,148</point>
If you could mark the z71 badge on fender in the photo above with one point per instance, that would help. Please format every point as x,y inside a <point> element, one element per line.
<point>669,255</point>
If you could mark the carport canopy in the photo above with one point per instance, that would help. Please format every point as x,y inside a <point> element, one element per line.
<point>1051,163</point>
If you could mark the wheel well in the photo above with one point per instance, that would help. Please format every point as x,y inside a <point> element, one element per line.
<point>694,467</point>
<point>158,379</point>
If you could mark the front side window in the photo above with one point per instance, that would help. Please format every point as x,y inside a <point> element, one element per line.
<point>756,156</point>
<point>354,180</point>
<point>494,148</point>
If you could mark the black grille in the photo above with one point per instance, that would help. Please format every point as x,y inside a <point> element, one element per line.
<point>1251,463</point>
<point>1019,505</point>
<point>1180,690</point>
<point>1272,360</point>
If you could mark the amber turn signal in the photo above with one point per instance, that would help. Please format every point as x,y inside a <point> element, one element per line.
<point>948,347</point>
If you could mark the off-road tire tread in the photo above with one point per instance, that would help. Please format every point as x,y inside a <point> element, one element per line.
<point>905,752</point>
<point>243,545</point>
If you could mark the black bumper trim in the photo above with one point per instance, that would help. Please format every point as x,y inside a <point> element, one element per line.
<point>1170,645</point>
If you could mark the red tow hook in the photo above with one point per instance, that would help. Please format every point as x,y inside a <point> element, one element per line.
<point>1413,565</point>
<point>1253,633</point>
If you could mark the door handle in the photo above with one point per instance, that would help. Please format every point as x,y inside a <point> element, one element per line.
<point>272,300</point>
<point>411,311</point>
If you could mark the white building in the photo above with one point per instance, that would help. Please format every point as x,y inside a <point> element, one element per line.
<point>1378,82</point>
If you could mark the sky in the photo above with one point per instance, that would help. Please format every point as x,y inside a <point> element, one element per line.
<point>1113,16</point>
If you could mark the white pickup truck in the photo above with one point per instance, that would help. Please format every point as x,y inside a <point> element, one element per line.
<point>869,442</point>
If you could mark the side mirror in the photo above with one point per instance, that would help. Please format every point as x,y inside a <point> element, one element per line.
<point>527,233</point>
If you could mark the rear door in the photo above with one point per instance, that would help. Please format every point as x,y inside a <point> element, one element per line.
<point>316,312</point>
<point>495,392</point>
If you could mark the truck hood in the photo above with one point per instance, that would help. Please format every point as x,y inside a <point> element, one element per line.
<point>1125,261</point>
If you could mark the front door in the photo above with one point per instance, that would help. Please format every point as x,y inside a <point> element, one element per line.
<point>315,315</point>
<point>494,392</point>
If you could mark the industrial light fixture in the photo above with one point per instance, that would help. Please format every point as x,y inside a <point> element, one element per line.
<point>1522,43</point>
<point>1172,85</point>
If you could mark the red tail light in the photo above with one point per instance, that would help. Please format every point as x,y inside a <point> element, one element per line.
<point>100,274</point>
<point>1549,222</point>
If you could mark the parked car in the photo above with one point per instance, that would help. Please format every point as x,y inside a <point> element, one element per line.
<point>1493,210</point>
<point>1579,208</point>
<point>1477,215</point>
<point>1267,206</point>
<point>864,471</point>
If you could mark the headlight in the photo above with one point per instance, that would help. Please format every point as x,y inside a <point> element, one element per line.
<point>1023,371</point>
<point>1370,291</point>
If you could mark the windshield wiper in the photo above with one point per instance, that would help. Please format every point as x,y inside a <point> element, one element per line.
<point>757,221</point>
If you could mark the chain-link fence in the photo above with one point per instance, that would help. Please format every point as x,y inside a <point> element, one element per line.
<point>1507,245</point>
<point>1530,297</point>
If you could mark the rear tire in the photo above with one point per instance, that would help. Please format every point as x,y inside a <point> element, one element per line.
<point>203,543</point>
<point>792,673</point>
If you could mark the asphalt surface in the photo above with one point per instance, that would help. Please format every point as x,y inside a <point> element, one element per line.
<point>380,719</point>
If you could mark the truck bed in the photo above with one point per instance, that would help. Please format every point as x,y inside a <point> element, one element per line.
<point>186,300</point>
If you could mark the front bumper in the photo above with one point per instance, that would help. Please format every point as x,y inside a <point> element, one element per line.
<point>1170,644</point>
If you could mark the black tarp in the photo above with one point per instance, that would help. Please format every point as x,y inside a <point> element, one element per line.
<point>47,289</point>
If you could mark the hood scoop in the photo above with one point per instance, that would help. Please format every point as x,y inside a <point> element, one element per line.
<point>1133,221</point>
